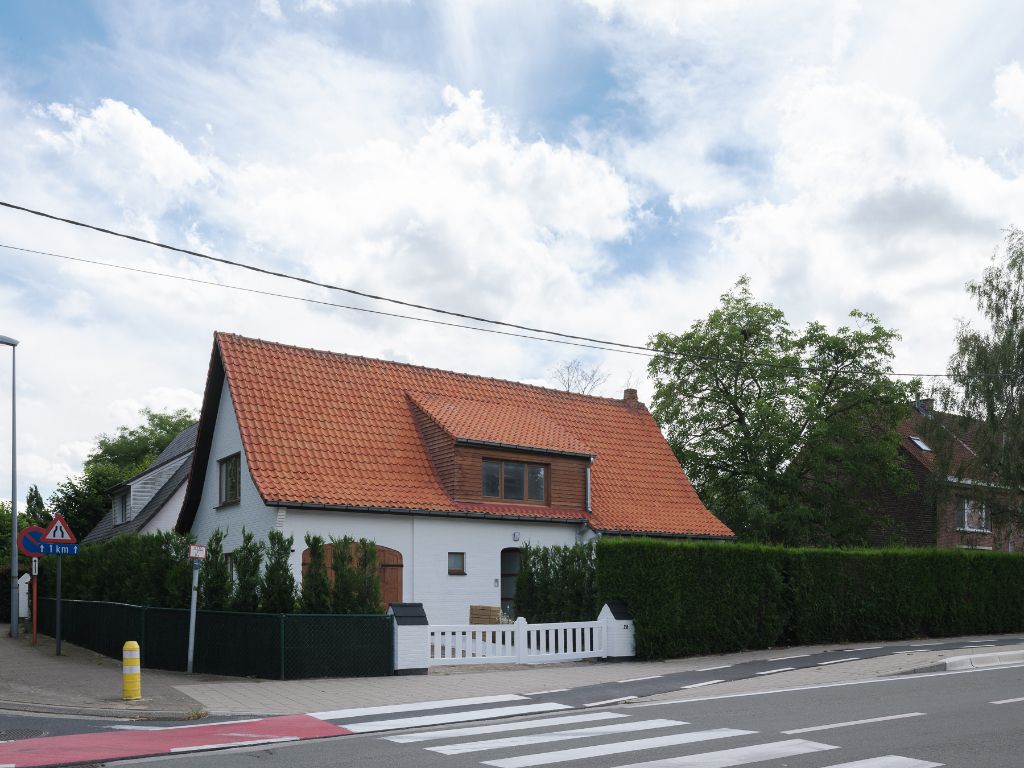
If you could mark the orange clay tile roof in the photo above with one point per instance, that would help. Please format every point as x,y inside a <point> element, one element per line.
<point>333,429</point>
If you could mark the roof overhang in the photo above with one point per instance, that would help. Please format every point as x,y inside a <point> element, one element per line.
<point>523,448</point>
<point>425,512</point>
<point>664,535</point>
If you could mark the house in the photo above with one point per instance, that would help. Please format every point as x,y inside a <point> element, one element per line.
<point>449,473</point>
<point>944,507</point>
<point>151,500</point>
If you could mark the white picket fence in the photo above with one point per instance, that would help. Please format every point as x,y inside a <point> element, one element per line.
<point>518,643</point>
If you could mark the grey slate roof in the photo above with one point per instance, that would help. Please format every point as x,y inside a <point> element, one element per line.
<point>183,443</point>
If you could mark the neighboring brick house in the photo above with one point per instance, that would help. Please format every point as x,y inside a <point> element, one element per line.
<point>151,500</point>
<point>937,511</point>
<point>449,473</point>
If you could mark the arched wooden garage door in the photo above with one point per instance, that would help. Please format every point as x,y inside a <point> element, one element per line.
<point>389,567</point>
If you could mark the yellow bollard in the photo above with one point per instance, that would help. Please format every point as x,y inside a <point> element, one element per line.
<point>131,672</point>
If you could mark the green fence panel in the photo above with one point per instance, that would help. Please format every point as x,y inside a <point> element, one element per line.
<point>336,645</point>
<point>101,627</point>
<point>166,643</point>
<point>242,644</point>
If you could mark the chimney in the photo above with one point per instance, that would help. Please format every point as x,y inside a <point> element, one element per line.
<point>925,405</point>
<point>629,396</point>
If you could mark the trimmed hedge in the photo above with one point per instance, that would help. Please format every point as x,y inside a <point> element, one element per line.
<point>708,597</point>
<point>556,584</point>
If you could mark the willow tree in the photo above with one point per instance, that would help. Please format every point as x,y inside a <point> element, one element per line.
<point>785,434</point>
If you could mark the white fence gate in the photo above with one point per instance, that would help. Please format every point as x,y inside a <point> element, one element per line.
<point>418,645</point>
<point>518,643</point>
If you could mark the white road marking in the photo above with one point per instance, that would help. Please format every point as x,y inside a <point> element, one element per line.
<point>712,669</point>
<point>600,750</point>
<point>544,738</point>
<point>838,661</point>
<point>701,685</point>
<point>848,723</point>
<point>1006,701</point>
<point>450,717</point>
<point>922,650</point>
<point>797,688</point>
<point>638,679</point>
<point>968,647</point>
<point>773,671</point>
<point>415,707</point>
<point>933,642</point>
<point>611,701</point>
<point>553,690</point>
<point>787,658</point>
<point>739,756</point>
<point>522,725</point>
<point>228,744</point>
<point>180,727</point>
<point>867,648</point>
<point>887,761</point>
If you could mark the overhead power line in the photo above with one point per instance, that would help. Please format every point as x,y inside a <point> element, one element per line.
<point>560,337</point>
<point>309,281</point>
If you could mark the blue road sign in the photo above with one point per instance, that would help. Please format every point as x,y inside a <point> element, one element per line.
<point>58,549</point>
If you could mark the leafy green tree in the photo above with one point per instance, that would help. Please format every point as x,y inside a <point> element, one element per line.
<point>35,510</point>
<point>215,583</point>
<point>343,589</point>
<point>986,387</point>
<point>367,578</point>
<point>248,560</point>
<point>316,587</point>
<point>83,499</point>
<point>277,585</point>
<point>785,435</point>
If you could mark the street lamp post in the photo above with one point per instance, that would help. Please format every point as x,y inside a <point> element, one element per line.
<point>13,344</point>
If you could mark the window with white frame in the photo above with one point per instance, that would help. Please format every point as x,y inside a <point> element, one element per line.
<point>972,515</point>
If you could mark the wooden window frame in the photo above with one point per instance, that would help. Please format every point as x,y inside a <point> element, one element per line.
<point>527,465</point>
<point>223,466</point>
<point>457,571</point>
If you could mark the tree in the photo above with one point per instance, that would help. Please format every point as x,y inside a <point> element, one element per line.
<point>248,559</point>
<point>215,583</point>
<point>83,499</point>
<point>343,590</point>
<point>316,587</point>
<point>574,376</point>
<point>35,510</point>
<point>784,435</point>
<point>986,385</point>
<point>277,586</point>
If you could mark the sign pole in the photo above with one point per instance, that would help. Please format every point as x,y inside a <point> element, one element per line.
<point>35,596</point>
<point>58,604</point>
<point>192,613</point>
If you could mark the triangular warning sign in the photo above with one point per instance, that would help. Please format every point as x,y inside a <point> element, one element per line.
<point>58,532</point>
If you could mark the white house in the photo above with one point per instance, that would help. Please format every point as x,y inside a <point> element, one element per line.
<point>448,473</point>
<point>151,501</point>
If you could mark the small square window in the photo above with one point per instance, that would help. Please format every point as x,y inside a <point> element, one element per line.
<point>456,563</point>
<point>973,516</point>
<point>229,476</point>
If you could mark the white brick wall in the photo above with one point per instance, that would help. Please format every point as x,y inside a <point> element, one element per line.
<point>250,510</point>
<point>425,542</point>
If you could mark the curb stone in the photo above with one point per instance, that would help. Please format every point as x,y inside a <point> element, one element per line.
<point>975,661</point>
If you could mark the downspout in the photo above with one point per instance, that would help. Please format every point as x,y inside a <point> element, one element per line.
<point>589,463</point>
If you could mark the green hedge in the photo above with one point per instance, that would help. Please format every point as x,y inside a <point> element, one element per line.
<point>556,584</point>
<point>690,598</point>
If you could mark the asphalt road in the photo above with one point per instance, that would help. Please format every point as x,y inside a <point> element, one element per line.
<point>972,719</point>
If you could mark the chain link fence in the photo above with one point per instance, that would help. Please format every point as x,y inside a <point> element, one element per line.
<point>262,645</point>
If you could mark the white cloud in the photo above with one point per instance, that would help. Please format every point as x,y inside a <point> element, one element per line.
<point>272,9</point>
<point>1009,87</point>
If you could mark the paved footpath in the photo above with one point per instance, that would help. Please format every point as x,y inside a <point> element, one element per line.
<point>83,683</point>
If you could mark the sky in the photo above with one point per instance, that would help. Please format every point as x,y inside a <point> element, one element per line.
<point>604,168</point>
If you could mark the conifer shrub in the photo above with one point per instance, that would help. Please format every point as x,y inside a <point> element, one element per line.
<point>248,560</point>
<point>277,584</point>
<point>316,587</point>
<point>215,582</point>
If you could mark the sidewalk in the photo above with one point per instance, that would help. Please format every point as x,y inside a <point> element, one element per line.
<point>84,683</point>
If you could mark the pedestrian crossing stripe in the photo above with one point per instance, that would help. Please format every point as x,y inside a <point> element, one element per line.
<point>520,725</point>
<point>401,723</point>
<point>888,761</point>
<point>725,758</point>
<point>550,736</point>
<point>582,753</point>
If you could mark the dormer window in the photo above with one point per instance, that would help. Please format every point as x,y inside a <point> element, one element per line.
<point>122,509</point>
<point>515,481</point>
<point>920,443</point>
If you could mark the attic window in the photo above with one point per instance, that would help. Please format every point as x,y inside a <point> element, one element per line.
<point>920,443</point>
<point>122,508</point>
<point>229,472</point>
<point>515,481</point>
